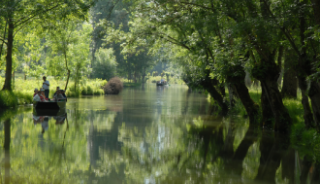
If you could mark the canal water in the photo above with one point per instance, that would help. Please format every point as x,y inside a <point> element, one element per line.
<point>147,135</point>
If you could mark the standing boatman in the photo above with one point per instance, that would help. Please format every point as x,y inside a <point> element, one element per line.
<point>45,86</point>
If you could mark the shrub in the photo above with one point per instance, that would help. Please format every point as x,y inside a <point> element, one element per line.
<point>114,86</point>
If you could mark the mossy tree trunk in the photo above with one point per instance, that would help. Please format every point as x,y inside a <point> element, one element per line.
<point>208,84</point>
<point>267,72</point>
<point>242,91</point>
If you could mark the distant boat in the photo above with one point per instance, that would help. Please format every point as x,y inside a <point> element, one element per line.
<point>49,108</point>
<point>161,83</point>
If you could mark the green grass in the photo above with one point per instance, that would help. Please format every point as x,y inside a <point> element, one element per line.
<point>86,87</point>
<point>14,98</point>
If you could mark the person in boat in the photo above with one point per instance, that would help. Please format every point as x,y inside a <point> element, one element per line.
<point>35,92</point>
<point>57,89</point>
<point>57,95</point>
<point>43,97</point>
<point>36,97</point>
<point>64,94</point>
<point>162,81</point>
<point>45,86</point>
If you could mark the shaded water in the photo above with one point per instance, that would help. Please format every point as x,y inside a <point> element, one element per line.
<point>149,135</point>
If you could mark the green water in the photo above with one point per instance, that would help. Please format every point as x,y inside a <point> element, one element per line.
<point>147,135</point>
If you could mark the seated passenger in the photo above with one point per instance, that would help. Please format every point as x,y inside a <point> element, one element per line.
<point>58,96</point>
<point>43,96</point>
<point>35,92</point>
<point>63,94</point>
<point>37,98</point>
<point>58,89</point>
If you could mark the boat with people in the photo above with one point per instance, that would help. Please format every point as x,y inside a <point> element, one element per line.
<point>162,82</point>
<point>43,105</point>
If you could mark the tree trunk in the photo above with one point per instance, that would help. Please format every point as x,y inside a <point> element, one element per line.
<point>307,114</point>
<point>267,115</point>
<point>65,88</point>
<point>314,94</point>
<point>280,113</point>
<point>208,84</point>
<point>232,92</point>
<point>7,82</point>
<point>316,11</point>
<point>290,85</point>
<point>4,38</point>
<point>222,89</point>
<point>305,69</point>
<point>280,55</point>
<point>268,72</point>
<point>315,179</point>
<point>242,91</point>
<point>305,169</point>
<point>66,62</point>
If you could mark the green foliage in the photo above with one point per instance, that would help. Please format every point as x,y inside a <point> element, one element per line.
<point>8,99</point>
<point>87,87</point>
<point>31,56</point>
<point>24,15</point>
<point>105,66</point>
<point>69,48</point>
<point>12,99</point>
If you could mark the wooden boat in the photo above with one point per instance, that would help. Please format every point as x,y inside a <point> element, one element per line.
<point>49,105</point>
<point>49,108</point>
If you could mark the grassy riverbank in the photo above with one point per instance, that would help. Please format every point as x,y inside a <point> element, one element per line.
<point>23,90</point>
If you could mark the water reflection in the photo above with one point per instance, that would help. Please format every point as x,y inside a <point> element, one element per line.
<point>146,136</point>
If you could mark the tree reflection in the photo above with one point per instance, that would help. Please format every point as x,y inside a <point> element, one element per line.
<point>6,146</point>
<point>168,143</point>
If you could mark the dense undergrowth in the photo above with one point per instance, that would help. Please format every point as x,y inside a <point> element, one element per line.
<point>23,90</point>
